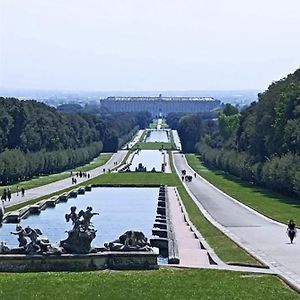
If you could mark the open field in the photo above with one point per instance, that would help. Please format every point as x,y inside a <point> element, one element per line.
<point>158,284</point>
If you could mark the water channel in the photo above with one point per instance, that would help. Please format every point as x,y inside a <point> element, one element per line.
<point>159,136</point>
<point>149,158</point>
<point>120,209</point>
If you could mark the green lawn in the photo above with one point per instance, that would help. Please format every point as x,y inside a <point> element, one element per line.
<point>273,205</point>
<point>136,178</point>
<point>95,163</point>
<point>158,284</point>
<point>46,179</point>
<point>154,146</point>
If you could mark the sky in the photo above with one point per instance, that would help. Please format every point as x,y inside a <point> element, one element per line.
<point>147,44</point>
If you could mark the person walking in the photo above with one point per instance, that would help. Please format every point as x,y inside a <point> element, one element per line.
<point>4,195</point>
<point>8,194</point>
<point>23,192</point>
<point>291,230</point>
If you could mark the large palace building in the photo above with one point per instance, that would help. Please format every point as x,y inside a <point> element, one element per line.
<point>160,105</point>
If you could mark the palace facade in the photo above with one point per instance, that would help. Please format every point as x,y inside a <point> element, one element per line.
<point>160,106</point>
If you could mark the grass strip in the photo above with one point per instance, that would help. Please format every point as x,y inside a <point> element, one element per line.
<point>271,204</point>
<point>153,146</point>
<point>158,284</point>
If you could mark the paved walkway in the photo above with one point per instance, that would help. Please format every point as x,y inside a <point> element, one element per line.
<point>135,140</point>
<point>189,249</point>
<point>176,139</point>
<point>65,183</point>
<point>261,236</point>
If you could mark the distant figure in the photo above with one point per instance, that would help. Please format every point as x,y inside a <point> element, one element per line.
<point>4,195</point>
<point>8,194</point>
<point>22,192</point>
<point>291,230</point>
<point>18,190</point>
<point>195,175</point>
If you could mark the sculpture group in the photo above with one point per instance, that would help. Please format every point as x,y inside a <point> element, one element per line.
<point>81,235</point>
<point>78,241</point>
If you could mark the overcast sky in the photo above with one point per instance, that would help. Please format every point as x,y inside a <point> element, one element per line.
<point>147,44</point>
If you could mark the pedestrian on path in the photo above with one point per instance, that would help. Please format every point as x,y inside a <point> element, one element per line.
<point>18,190</point>
<point>23,192</point>
<point>291,230</point>
<point>8,194</point>
<point>4,195</point>
<point>195,174</point>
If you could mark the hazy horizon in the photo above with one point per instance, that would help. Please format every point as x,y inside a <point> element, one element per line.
<point>134,45</point>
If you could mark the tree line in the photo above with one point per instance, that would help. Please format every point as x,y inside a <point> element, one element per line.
<point>260,144</point>
<point>37,139</point>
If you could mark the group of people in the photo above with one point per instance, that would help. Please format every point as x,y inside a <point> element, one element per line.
<point>79,174</point>
<point>6,195</point>
<point>187,178</point>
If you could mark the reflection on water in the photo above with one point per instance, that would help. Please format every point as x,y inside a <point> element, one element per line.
<point>120,209</point>
<point>149,158</point>
<point>158,136</point>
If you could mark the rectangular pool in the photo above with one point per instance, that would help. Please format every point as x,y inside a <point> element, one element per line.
<point>120,209</point>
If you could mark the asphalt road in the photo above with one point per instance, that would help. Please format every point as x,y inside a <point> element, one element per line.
<point>263,237</point>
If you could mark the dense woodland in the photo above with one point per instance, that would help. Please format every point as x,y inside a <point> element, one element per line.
<point>260,144</point>
<point>37,139</point>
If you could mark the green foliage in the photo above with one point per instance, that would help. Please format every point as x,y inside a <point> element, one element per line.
<point>173,119</point>
<point>190,131</point>
<point>271,126</point>
<point>263,144</point>
<point>230,110</point>
<point>42,140</point>
<point>227,124</point>
<point>43,162</point>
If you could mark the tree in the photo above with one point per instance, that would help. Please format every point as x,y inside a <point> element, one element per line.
<point>190,130</point>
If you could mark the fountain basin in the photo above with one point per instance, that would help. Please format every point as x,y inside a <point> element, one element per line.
<point>79,262</point>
